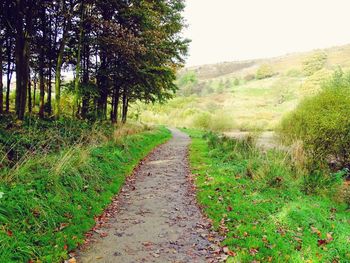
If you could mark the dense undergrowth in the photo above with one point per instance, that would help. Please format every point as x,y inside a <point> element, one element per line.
<point>258,202</point>
<point>22,140</point>
<point>322,123</point>
<point>49,201</point>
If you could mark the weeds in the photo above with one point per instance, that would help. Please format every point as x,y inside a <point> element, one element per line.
<point>49,201</point>
<point>258,203</point>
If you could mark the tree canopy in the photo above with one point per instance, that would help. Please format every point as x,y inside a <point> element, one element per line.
<point>119,51</point>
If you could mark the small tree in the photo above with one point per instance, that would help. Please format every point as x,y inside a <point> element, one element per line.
<point>264,71</point>
<point>314,63</point>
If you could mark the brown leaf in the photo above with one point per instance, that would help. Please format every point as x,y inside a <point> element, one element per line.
<point>147,244</point>
<point>104,234</point>
<point>253,251</point>
<point>264,239</point>
<point>329,237</point>
<point>315,231</point>
<point>229,208</point>
<point>227,251</point>
<point>321,242</point>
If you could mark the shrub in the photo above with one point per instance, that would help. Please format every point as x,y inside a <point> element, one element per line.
<point>293,73</point>
<point>322,122</point>
<point>249,77</point>
<point>264,71</point>
<point>314,63</point>
<point>222,121</point>
<point>202,120</point>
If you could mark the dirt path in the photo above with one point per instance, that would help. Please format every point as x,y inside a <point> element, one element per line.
<point>156,217</point>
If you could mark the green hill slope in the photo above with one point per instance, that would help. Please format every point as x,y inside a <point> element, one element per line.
<point>246,95</point>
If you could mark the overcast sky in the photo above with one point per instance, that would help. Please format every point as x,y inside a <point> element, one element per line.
<point>227,30</point>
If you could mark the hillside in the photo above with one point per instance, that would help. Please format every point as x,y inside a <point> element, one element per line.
<point>338,55</point>
<point>246,95</point>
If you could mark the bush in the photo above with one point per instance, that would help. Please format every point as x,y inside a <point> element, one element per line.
<point>249,77</point>
<point>265,71</point>
<point>202,120</point>
<point>322,122</point>
<point>314,63</point>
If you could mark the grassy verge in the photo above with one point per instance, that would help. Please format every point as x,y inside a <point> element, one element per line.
<point>256,201</point>
<point>47,204</point>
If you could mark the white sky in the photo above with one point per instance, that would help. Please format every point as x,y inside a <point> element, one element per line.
<point>227,30</point>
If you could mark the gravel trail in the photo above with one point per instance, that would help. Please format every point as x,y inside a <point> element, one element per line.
<point>155,218</point>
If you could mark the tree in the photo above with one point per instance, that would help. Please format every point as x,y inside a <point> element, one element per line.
<point>120,52</point>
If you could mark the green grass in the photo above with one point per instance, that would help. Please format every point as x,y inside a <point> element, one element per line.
<point>255,201</point>
<point>49,203</point>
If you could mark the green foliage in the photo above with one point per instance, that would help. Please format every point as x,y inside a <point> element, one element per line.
<point>52,200</point>
<point>20,140</point>
<point>236,82</point>
<point>256,201</point>
<point>188,79</point>
<point>264,71</point>
<point>322,122</point>
<point>294,73</point>
<point>314,63</point>
<point>217,121</point>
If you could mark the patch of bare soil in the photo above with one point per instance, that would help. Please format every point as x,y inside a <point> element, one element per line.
<point>155,218</point>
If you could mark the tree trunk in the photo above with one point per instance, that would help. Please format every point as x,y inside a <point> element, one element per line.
<point>1,84</point>
<point>58,74</point>
<point>34,91</point>
<point>115,105</point>
<point>125,106</point>
<point>49,78</point>
<point>49,90</point>
<point>22,59</point>
<point>8,75</point>
<point>29,94</point>
<point>78,66</point>
<point>41,87</point>
<point>102,84</point>
<point>86,78</point>
<point>42,65</point>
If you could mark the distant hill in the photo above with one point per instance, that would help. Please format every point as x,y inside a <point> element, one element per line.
<point>339,55</point>
<point>247,95</point>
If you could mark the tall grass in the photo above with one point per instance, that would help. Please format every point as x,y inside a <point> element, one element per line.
<point>322,122</point>
<point>49,201</point>
<point>257,201</point>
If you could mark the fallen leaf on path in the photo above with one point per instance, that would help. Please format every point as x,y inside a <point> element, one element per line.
<point>147,244</point>
<point>104,234</point>
<point>229,252</point>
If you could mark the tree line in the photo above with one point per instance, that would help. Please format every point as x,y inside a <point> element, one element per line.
<point>119,52</point>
